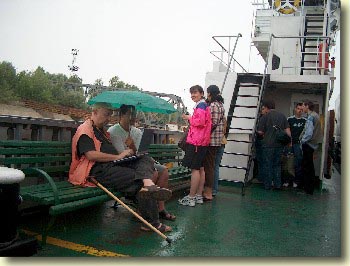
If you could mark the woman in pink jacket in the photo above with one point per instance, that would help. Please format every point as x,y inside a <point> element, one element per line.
<point>198,139</point>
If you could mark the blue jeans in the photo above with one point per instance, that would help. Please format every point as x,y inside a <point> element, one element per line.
<point>298,157</point>
<point>218,158</point>
<point>272,166</point>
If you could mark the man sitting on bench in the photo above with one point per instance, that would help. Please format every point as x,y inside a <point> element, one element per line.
<point>124,136</point>
<point>93,155</point>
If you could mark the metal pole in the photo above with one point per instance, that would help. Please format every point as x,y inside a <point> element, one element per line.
<point>229,49</point>
<point>94,181</point>
<point>229,64</point>
<point>325,133</point>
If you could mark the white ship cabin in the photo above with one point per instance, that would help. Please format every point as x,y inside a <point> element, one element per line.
<point>294,38</point>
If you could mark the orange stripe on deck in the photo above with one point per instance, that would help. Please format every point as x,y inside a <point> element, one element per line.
<point>76,247</point>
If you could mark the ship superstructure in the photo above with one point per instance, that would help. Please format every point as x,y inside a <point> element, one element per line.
<point>294,38</point>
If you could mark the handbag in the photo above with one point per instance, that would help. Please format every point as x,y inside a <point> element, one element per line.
<point>281,136</point>
<point>182,142</point>
<point>287,167</point>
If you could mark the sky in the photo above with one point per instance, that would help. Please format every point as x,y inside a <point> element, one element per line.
<point>157,45</point>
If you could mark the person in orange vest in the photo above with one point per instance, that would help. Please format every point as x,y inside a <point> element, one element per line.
<point>94,155</point>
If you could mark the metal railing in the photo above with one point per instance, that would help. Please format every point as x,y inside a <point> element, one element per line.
<point>226,52</point>
<point>261,4</point>
<point>229,63</point>
<point>319,54</point>
<point>256,121</point>
<point>226,64</point>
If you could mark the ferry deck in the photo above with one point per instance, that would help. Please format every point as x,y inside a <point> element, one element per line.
<point>286,223</point>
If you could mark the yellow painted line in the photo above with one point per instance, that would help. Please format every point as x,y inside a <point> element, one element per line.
<point>74,246</point>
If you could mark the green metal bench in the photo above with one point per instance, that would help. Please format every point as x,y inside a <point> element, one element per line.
<point>46,166</point>
<point>171,155</point>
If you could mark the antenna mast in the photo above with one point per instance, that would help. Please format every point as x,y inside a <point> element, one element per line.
<point>73,68</point>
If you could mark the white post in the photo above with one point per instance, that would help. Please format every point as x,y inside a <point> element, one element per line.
<point>325,128</point>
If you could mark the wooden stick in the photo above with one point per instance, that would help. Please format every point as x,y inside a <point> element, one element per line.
<point>94,181</point>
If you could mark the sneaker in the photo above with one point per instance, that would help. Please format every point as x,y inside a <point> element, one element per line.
<point>286,184</point>
<point>295,185</point>
<point>188,201</point>
<point>198,199</point>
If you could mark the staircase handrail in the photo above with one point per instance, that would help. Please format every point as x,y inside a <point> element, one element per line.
<point>230,61</point>
<point>222,61</point>
<point>319,40</point>
<point>302,25</point>
<point>257,117</point>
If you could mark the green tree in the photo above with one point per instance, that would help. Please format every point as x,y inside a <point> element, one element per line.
<point>130,87</point>
<point>8,80</point>
<point>8,74</point>
<point>73,98</point>
<point>75,79</point>
<point>40,87</point>
<point>43,86</point>
<point>121,84</point>
<point>7,93</point>
<point>98,82</point>
<point>50,88</point>
<point>113,82</point>
<point>117,83</point>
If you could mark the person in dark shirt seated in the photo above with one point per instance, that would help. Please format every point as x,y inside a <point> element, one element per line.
<point>93,155</point>
<point>125,135</point>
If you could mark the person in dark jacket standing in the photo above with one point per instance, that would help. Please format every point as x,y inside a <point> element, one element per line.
<point>272,149</point>
<point>310,141</point>
<point>297,125</point>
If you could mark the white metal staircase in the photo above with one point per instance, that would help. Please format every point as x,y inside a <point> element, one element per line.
<point>313,29</point>
<point>237,161</point>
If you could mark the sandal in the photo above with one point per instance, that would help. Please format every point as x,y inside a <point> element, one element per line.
<point>205,199</point>
<point>161,227</point>
<point>155,192</point>
<point>165,215</point>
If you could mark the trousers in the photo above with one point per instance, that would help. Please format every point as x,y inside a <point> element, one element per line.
<point>127,177</point>
<point>308,169</point>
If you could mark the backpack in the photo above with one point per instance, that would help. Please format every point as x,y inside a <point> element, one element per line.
<point>281,136</point>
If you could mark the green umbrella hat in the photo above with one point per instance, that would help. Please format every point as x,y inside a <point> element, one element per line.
<point>142,101</point>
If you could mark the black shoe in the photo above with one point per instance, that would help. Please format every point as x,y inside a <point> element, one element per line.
<point>327,176</point>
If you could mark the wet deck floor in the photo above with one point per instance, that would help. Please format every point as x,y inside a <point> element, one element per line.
<point>261,223</point>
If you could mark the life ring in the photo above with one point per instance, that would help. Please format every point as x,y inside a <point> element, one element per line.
<point>287,8</point>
